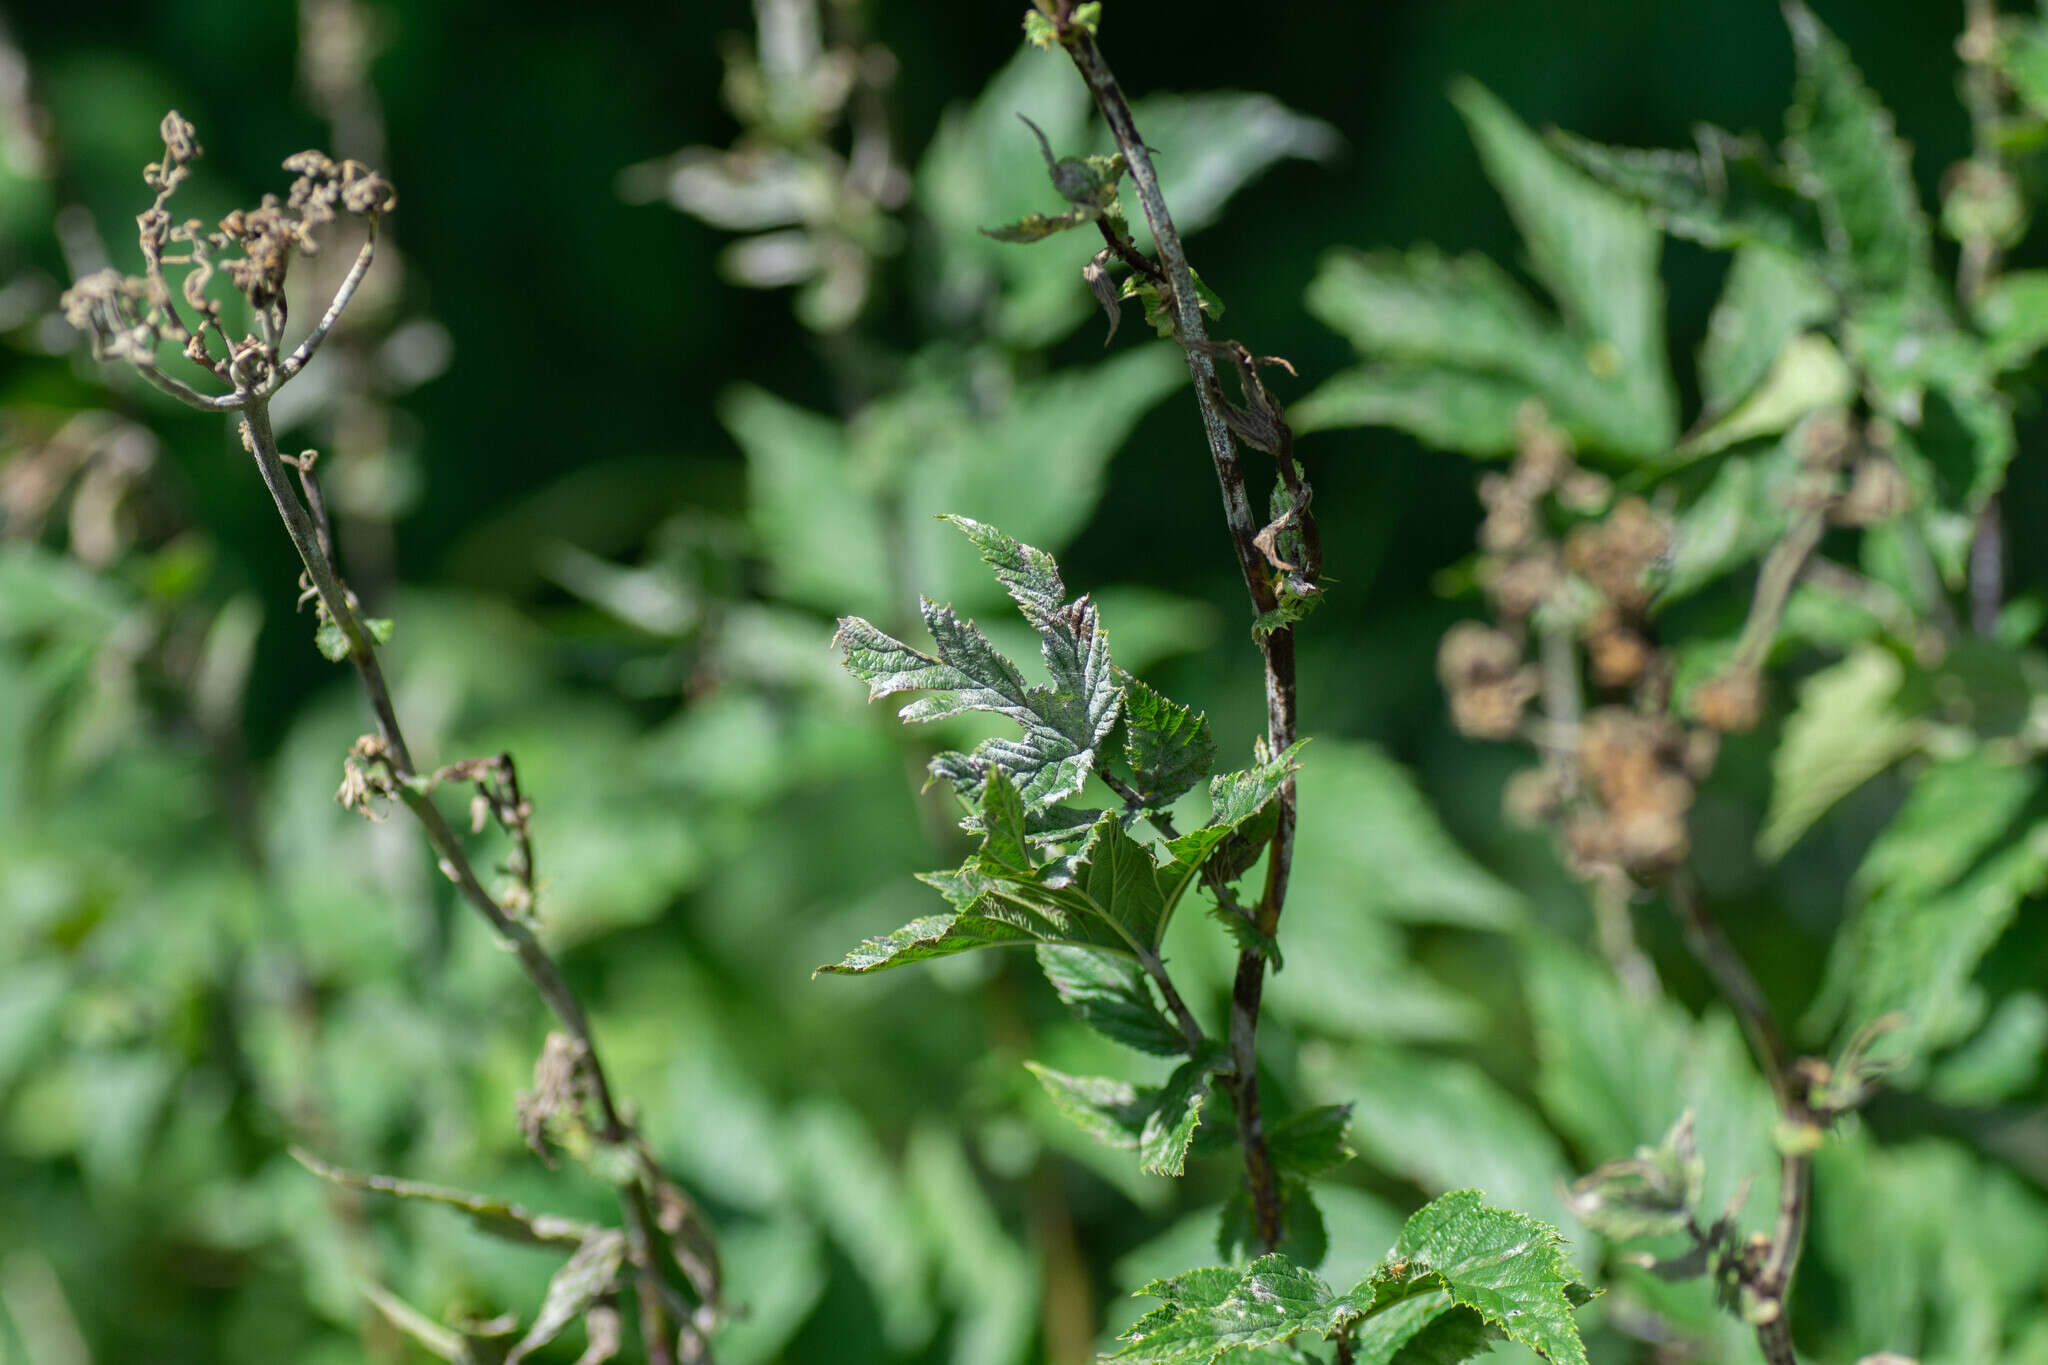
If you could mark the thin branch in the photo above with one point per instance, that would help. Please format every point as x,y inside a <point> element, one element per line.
<point>186,394</point>
<point>1190,1029</point>
<point>1774,581</point>
<point>642,1220</point>
<point>1277,645</point>
<point>296,361</point>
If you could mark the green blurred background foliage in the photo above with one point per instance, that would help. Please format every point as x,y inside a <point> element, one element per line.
<point>614,501</point>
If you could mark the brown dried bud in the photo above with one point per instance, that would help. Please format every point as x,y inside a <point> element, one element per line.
<point>1523,583</point>
<point>1731,703</point>
<point>1544,452</point>
<point>1481,670</point>
<point>1618,653</point>
<point>1615,554</point>
<point>1635,766</point>
<point>1510,514</point>
<point>1531,797</point>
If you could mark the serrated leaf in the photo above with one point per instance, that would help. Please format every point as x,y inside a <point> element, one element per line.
<point>1847,158</point>
<point>1492,1272</point>
<point>1235,799</point>
<point>1938,887</point>
<point>1768,298</point>
<point>1266,1305</point>
<point>930,937</point>
<point>1473,414</point>
<point>1728,193</point>
<point>1508,1267</point>
<point>1313,1142</point>
<point>1108,992</point>
<point>1111,1111</point>
<point>1595,253</point>
<point>589,1275</point>
<point>1177,1111</point>
<point>1168,746</point>
<point>1849,725</point>
<point>1424,1330</point>
<point>1063,724</point>
<point>1159,1121</point>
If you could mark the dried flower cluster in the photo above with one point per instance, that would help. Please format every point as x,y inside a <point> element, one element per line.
<point>128,317</point>
<point>1619,781</point>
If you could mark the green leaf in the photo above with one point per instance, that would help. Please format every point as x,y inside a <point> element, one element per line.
<point>1615,1071</point>
<point>591,1274</point>
<point>1807,376</point>
<point>1170,1127</point>
<point>1063,724</point>
<point>1158,1121</point>
<point>2013,316</point>
<point>1846,157</point>
<point>1736,518</point>
<point>1121,882</point>
<point>1211,1313</point>
<point>817,520</point>
<point>931,937</point>
<point>1652,1194</point>
<point>1158,316</point>
<point>1313,1142</point>
<point>1768,298</point>
<point>1595,253</point>
<point>1494,1273</point>
<point>1473,414</point>
<point>1999,1064</point>
<point>1168,746</point>
<point>1370,842</point>
<point>1108,992</point>
<point>1850,724</point>
<point>330,639</point>
<point>1938,887</point>
<point>1507,1267</point>
<point>1111,1111</point>
<point>1730,193</point>
<point>1235,800</point>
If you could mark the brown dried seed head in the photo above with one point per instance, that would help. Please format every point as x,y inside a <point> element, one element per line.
<point>1731,703</point>
<point>1523,583</point>
<point>1481,671</point>
<point>1618,653</point>
<point>1614,555</point>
